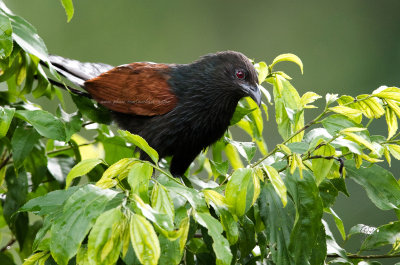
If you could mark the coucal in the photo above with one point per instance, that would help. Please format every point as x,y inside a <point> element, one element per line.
<point>179,109</point>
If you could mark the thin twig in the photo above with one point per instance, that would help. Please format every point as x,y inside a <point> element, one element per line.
<point>5,161</point>
<point>9,244</point>
<point>68,148</point>
<point>355,256</point>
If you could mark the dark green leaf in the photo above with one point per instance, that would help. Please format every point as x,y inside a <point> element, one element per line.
<point>48,203</point>
<point>380,185</point>
<point>332,246</point>
<point>336,122</point>
<point>6,115</point>
<point>304,192</point>
<point>79,214</point>
<point>22,143</point>
<point>328,193</point>
<point>247,237</point>
<point>96,113</point>
<point>17,185</point>
<point>73,122</point>
<point>383,235</point>
<point>45,123</point>
<point>221,244</point>
<point>36,164</point>
<point>278,221</point>
<point>318,254</point>
<point>220,167</point>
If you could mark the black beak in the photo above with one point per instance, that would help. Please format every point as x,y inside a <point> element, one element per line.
<point>254,92</point>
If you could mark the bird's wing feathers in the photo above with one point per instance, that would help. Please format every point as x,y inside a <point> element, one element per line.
<point>76,71</point>
<point>136,88</point>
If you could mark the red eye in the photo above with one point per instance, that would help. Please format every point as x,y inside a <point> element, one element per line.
<point>240,74</point>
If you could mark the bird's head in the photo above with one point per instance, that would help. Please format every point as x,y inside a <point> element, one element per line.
<point>233,72</point>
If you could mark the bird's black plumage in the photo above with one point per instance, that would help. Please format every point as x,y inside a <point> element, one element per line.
<point>202,97</point>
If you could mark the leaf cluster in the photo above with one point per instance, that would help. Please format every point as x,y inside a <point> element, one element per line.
<point>96,202</point>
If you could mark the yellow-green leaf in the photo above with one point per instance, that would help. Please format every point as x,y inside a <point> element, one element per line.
<point>386,153</point>
<point>394,150</point>
<point>391,121</point>
<point>138,178</point>
<point>352,129</point>
<point>144,240</point>
<point>262,70</point>
<point>360,140</point>
<point>288,57</point>
<point>322,166</point>
<point>392,93</point>
<point>215,197</point>
<point>308,98</point>
<point>80,169</point>
<point>119,168</point>
<point>277,183</point>
<point>375,107</point>
<point>351,113</point>
<point>233,156</point>
<point>394,106</point>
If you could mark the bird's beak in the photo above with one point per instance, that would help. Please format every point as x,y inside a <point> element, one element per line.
<point>254,92</point>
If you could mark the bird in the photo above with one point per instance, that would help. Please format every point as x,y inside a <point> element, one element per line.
<point>179,109</point>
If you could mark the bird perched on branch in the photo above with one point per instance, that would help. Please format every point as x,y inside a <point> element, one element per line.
<point>179,109</point>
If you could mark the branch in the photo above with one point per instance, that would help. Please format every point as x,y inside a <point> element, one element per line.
<point>9,244</point>
<point>5,161</point>
<point>355,256</point>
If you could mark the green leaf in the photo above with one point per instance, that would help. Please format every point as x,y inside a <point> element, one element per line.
<point>338,222</point>
<point>144,240</point>
<point>278,221</point>
<point>73,122</point>
<point>158,218</point>
<point>138,178</point>
<point>309,210</point>
<point>262,70</point>
<point>141,143</point>
<point>219,168</point>
<point>332,246</point>
<point>391,93</point>
<point>194,197</point>
<point>82,168</point>
<point>45,123</point>
<point>353,114</point>
<point>6,115</point>
<point>22,143</point>
<point>383,235</point>
<point>115,148</point>
<point>336,122</point>
<point>287,57</point>
<point>322,166</point>
<point>220,244</point>
<point>69,8</point>
<point>307,98</point>
<point>245,149</point>
<point>94,112</point>
<point>394,150</point>
<point>25,35</point>
<point>240,113</point>
<point>79,214</point>
<point>105,238</point>
<point>117,169</point>
<point>48,203</point>
<point>380,185</point>
<point>391,121</point>
<point>161,200</point>
<point>277,183</point>
<point>240,191</point>
<point>6,42</point>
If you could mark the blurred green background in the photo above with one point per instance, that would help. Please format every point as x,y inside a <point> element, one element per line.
<point>347,47</point>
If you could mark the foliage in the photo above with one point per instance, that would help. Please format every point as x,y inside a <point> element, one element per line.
<point>98,203</point>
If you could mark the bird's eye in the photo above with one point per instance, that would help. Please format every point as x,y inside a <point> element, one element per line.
<point>240,74</point>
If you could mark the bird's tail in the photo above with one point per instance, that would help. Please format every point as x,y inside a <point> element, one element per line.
<point>75,71</point>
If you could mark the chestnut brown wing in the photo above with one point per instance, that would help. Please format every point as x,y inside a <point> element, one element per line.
<point>136,88</point>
